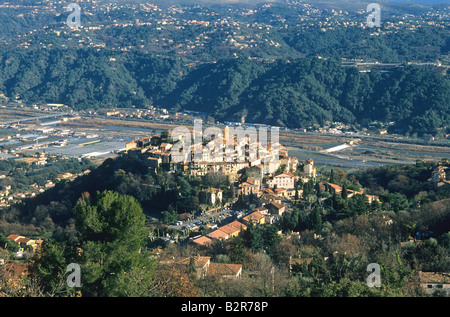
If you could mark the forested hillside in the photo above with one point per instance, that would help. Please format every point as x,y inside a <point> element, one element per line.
<point>293,93</point>
<point>51,211</point>
<point>304,92</point>
<point>85,78</point>
<point>424,44</point>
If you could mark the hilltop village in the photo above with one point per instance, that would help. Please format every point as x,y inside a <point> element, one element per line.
<point>264,189</point>
<point>262,177</point>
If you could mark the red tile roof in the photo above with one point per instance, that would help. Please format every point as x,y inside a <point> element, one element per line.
<point>284,174</point>
<point>233,227</point>
<point>254,217</point>
<point>14,237</point>
<point>23,240</point>
<point>277,205</point>
<point>203,240</point>
<point>224,269</point>
<point>217,234</point>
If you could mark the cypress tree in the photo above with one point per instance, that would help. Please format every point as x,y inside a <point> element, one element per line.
<point>344,193</point>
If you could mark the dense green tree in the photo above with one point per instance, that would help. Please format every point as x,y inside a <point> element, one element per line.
<point>8,244</point>
<point>111,236</point>
<point>169,217</point>
<point>48,271</point>
<point>394,201</point>
<point>315,219</point>
<point>344,192</point>
<point>237,251</point>
<point>253,238</point>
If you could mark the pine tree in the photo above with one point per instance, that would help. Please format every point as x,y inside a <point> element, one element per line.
<point>332,180</point>
<point>334,200</point>
<point>315,219</point>
<point>237,251</point>
<point>318,190</point>
<point>296,194</point>
<point>344,193</point>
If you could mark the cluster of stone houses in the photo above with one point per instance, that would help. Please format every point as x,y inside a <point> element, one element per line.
<point>259,170</point>
<point>440,176</point>
<point>197,162</point>
<point>226,155</point>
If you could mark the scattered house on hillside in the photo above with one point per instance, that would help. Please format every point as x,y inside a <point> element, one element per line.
<point>372,198</point>
<point>268,191</point>
<point>202,241</point>
<point>280,192</point>
<point>252,180</point>
<point>350,192</point>
<point>290,193</point>
<point>337,189</point>
<point>15,237</point>
<point>24,242</point>
<point>131,146</point>
<point>287,193</point>
<point>290,163</point>
<point>233,229</point>
<point>149,141</point>
<point>153,164</point>
<point>439,176</point>
<point>49,184</point>
<point>165,156</point>
<point>255,217</point>
<point>63,176</point>
<point>165,147</point>
<point>433,281</point>
<point>276,208</point>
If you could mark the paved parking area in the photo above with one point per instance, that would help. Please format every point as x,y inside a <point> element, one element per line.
<point>219,217</point>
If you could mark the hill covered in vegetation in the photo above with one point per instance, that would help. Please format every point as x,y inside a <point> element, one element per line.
<point>292,93</point>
